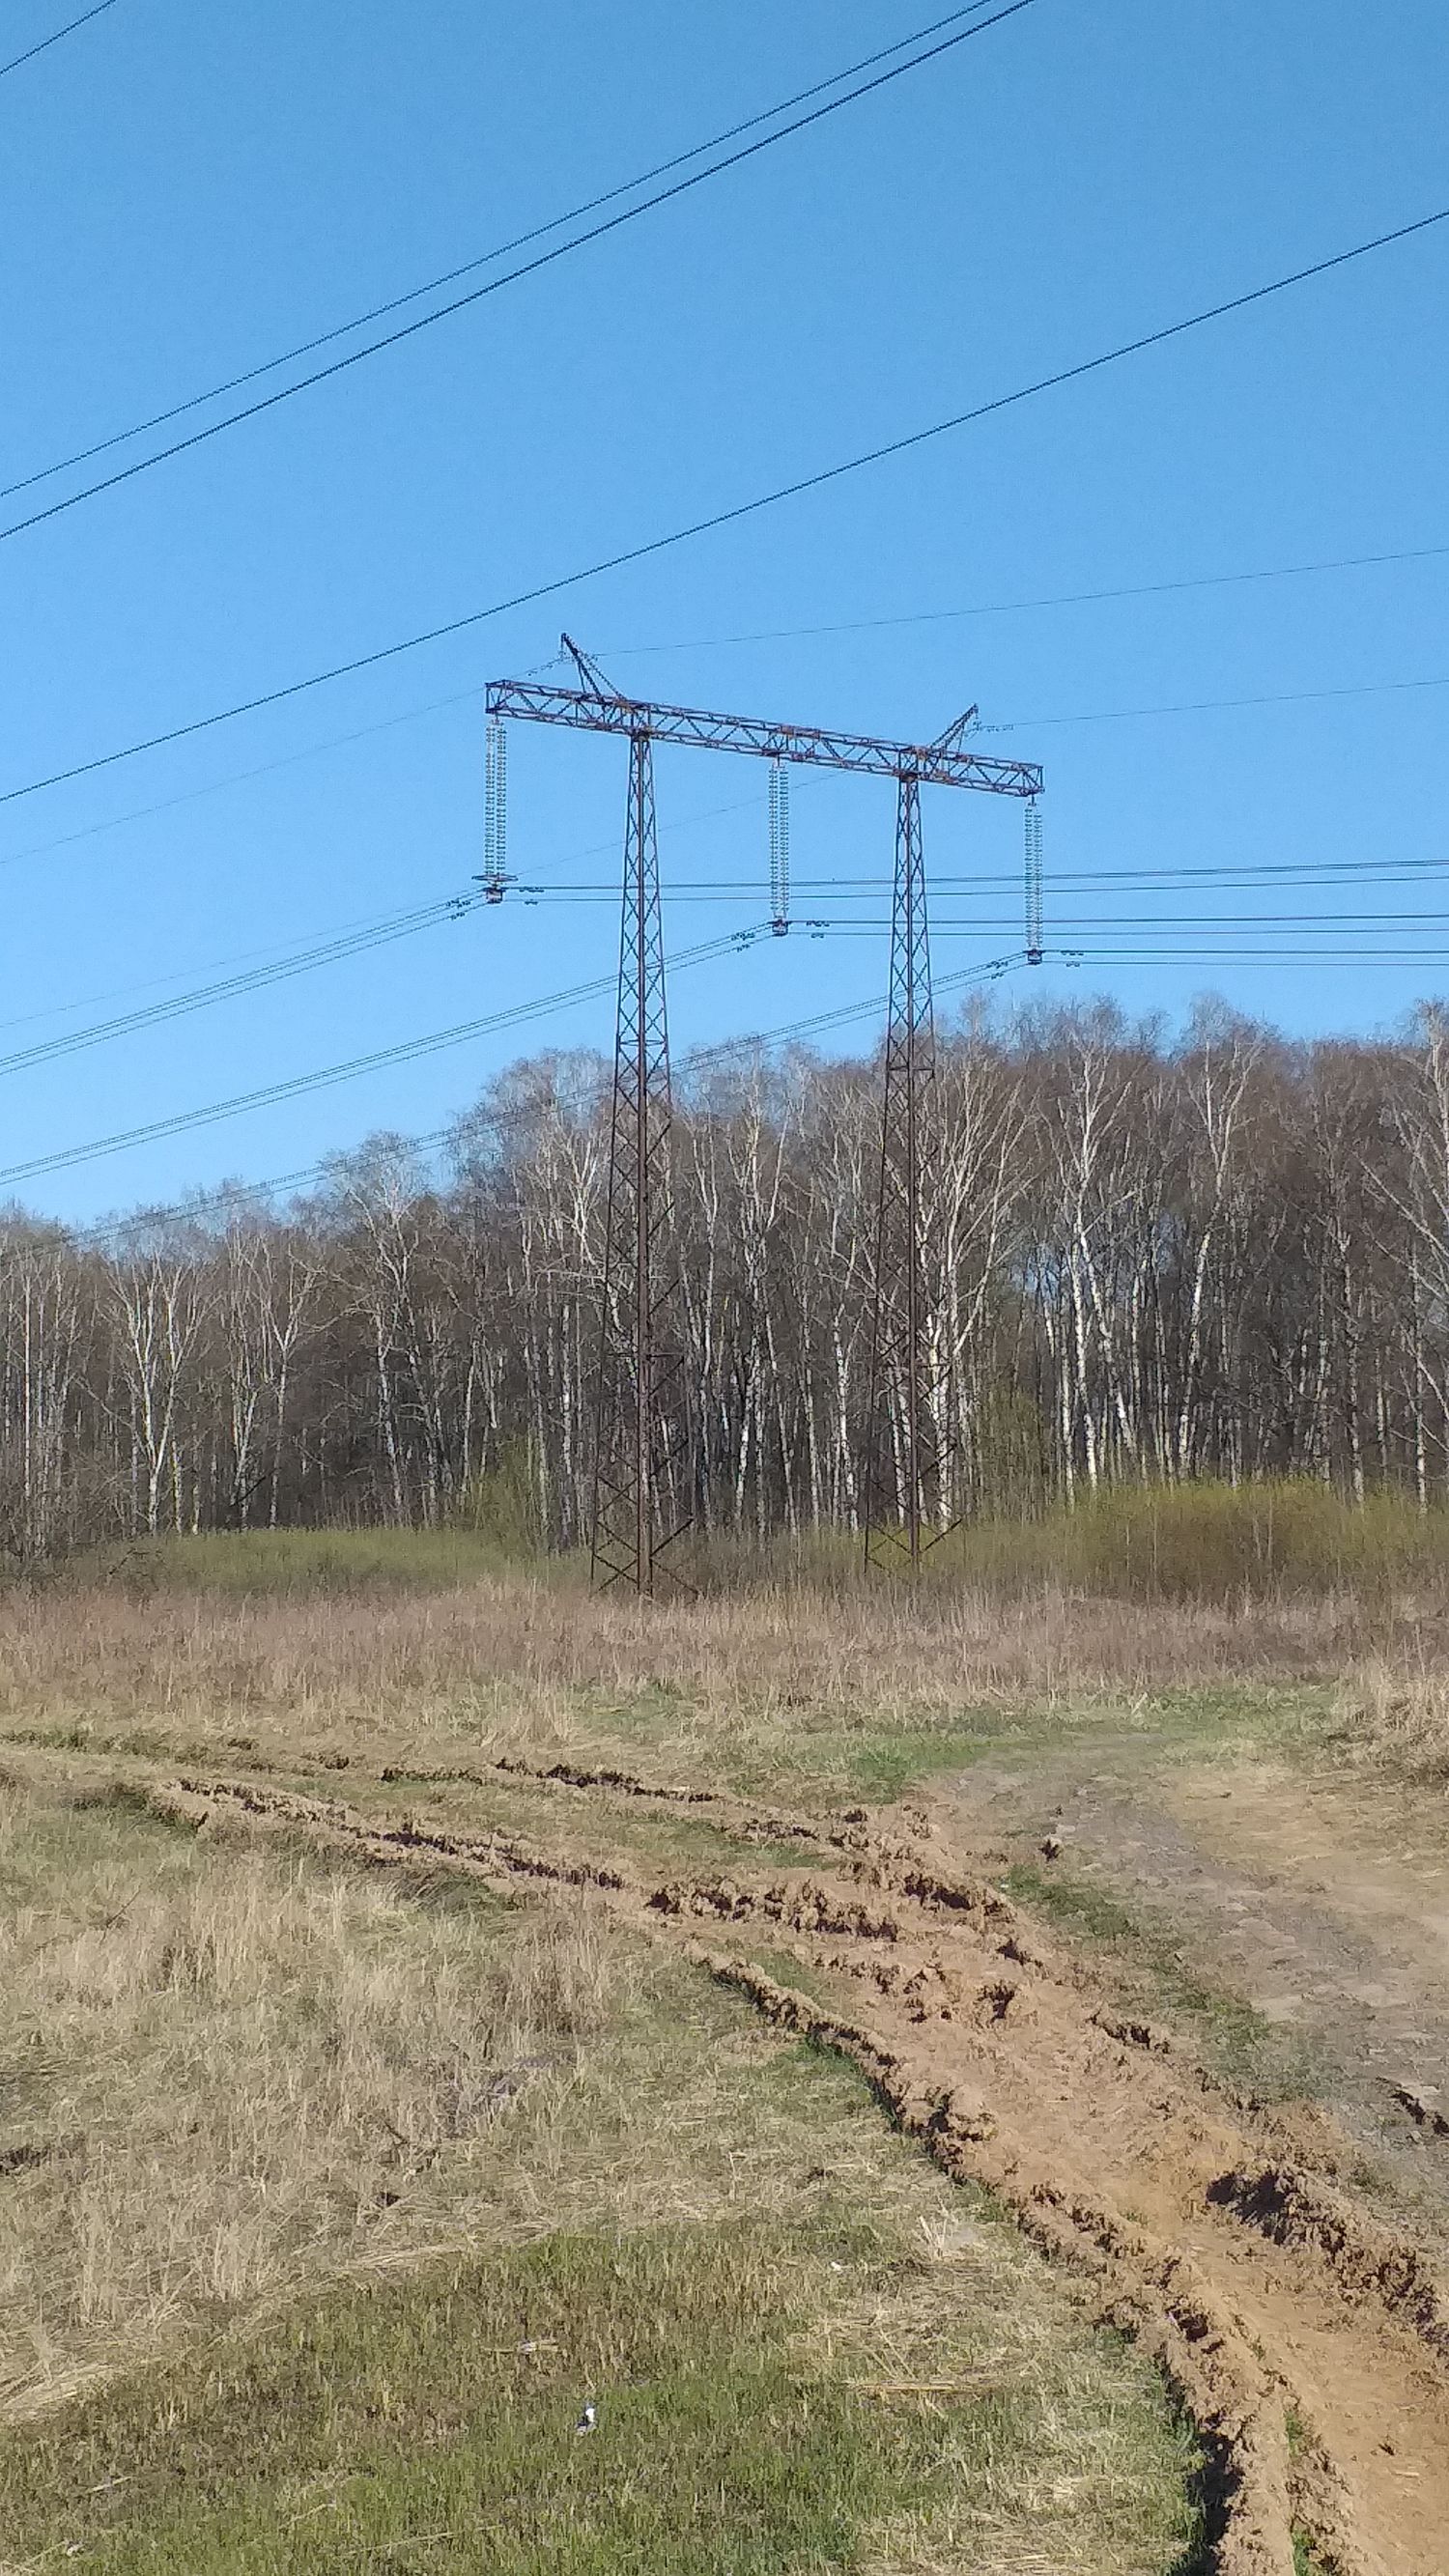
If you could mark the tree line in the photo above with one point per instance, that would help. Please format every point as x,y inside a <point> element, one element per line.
<point>1215,1254</point>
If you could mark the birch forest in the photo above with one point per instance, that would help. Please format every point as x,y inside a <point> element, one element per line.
<point>1219,1254</point>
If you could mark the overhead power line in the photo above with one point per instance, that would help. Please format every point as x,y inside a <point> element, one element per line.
<point>368,936</point>
<point>843,888</point>
<point>359,939</point>
<point>1019,607</point>
<point>695,1058</point>
<point>853,626</point>
<point>237,778</point>
<point>44,46</point>
<point>510,277</point>
<point>1213,706</point>
<point>230,988</point>
<point>406,1051</point>
<point>484,259</point>
<point>1303,871</point>
<point>1229,925</point>
<point>1380,919</point>
<point>1351,957</point>
<point>731,517</point>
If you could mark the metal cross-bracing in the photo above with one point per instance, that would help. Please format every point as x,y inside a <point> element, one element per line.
<point>907,1489</point>
<point>947,763</point>
<point>642,1444</point>
<point>643,1477</point>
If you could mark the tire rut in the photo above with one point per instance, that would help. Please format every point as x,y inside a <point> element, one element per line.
<point>1269,2299</point>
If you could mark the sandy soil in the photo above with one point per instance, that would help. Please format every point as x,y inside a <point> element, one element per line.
<point>1322,1903</point>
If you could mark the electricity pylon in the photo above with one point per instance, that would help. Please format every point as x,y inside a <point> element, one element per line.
<point>643,1477</point>
<point>907,1452</point>
<point>641,1438</point>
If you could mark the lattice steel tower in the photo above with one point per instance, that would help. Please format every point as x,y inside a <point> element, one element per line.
<point>907,1480</point>
<point>642,1442</point>
<point>644,1470</point>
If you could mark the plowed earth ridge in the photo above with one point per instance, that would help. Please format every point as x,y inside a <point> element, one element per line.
<point>1309,2342</point>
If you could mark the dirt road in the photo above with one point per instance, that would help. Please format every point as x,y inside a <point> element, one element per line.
<point>1323,1903</point>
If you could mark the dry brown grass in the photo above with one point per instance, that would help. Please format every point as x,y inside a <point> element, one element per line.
<point>222,2069</point>
<point>513,1653</point>
<point>798,1692</point>
<point>1399,1712</point>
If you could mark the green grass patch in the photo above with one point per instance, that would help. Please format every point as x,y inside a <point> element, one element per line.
<point>1212,1543</point>
<point>882,1759</point>
<point>1306,2561</point>
<point>1202,1542</point>
<point>433,2422</point>
<point>419,2406</point>
<point>295,1563</point>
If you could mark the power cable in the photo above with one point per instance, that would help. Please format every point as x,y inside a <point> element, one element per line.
<point>687,1062</point>
<point>510,277</point>
<point>484,259</point>
<point>231,987</point>
<point>1306,871</point>
<point>289,760</point>
<point>362,938</point>
<point>406,1051</point>
<point>1354,957</point>
<point>238,778</point>
<point>464,697</point>
<point>1307,925</point>
<point>384,924</point>
<point>273,953</point>
<point>992,971</point>
<point>951,881</point>
<point>1249,923</point>
<point>243,976</point>
<point>46,42</point>
<point>1212,706</point>
<point>612,653</point>
<point>366,933</point>
<point>727,518</point>
<point>868,890</point>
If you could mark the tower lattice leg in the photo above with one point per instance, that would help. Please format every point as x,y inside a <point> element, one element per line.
<point>641,1456</point>
<point>908,1443</point>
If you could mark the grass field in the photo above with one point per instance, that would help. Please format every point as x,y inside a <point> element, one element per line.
<point>329,2197</point>
<point>807,1680</point>
<point>380,2184</point>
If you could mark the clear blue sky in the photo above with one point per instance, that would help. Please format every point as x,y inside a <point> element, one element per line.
<point>185,191</point>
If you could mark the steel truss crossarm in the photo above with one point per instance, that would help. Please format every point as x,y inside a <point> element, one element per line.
<point>943,764</point>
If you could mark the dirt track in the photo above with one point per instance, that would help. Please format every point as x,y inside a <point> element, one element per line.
<point>1310,2343</point>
